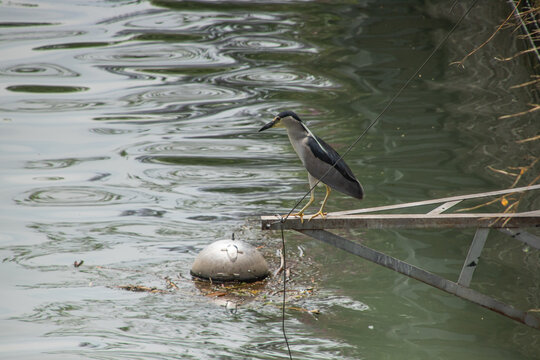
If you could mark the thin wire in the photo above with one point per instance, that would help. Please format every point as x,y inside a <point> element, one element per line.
<point>284,292</point>
<point>392,100</point>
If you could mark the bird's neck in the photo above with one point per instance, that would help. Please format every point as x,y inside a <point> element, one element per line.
<point>297,132</point>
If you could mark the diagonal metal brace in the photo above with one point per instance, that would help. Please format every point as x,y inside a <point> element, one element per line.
<point>527,318</point>
<point>524,236</point>
<point>473,256</point>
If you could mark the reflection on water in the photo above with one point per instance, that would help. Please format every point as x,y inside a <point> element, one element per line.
<point>129,140</point>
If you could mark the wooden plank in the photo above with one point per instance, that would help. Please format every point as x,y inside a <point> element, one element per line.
<point>471,261</point>
<point>438,201</point>
<point>406,221</point>
<point>527,318</point>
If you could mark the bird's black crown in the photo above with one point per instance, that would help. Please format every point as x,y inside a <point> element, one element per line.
<point>284,114</point>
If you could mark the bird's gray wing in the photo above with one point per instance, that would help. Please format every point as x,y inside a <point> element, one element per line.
<point>330,156</point>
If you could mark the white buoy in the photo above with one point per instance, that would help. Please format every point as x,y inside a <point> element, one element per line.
<point>230,260</point>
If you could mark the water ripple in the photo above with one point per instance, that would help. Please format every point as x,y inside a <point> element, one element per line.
<point>60,163</point>
<point>72,45</point>
<point>263,44</point>
<point>165,21</point>
<point>75,196</point>
<point>206,22</point>
<point>210,160</point>
<point>51,105</point>
<point>275,77</point>
<point>38,69</point>
<point>38,35</point>
<point>111,131</point>
<point>185,94</point>
<point>208,175</point>
<point>158,54</point>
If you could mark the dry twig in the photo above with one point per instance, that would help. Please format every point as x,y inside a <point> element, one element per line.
<point>535,107</point>
<point>501,171</point>
<point>534,138</point>
<point>281,265</point>
<point>507,201</point>
<point>534,49</point>
<point>170,283</point>
<point>532,82</point>
<point>460,62</point>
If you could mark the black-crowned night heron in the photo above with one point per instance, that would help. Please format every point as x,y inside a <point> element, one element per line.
<point>318,158</point>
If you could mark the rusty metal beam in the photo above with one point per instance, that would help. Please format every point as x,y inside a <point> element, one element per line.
<point>407,221</point>
<point>525,317</point>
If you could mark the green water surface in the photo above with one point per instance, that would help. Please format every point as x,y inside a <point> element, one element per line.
<point>128,139</point>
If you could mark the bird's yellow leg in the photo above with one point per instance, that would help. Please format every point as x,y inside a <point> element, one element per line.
<point>301,212</point>
<point>320,212</point>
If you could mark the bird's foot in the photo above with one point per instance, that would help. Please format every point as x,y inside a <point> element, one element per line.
<point>319,213</point>
<point>300,215</point>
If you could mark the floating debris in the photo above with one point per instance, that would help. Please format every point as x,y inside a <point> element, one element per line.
<point>140,288</point>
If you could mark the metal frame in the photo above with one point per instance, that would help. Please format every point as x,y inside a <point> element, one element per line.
<point>511,224</point>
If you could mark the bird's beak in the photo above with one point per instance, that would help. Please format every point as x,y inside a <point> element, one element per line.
<point>271,124</point>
